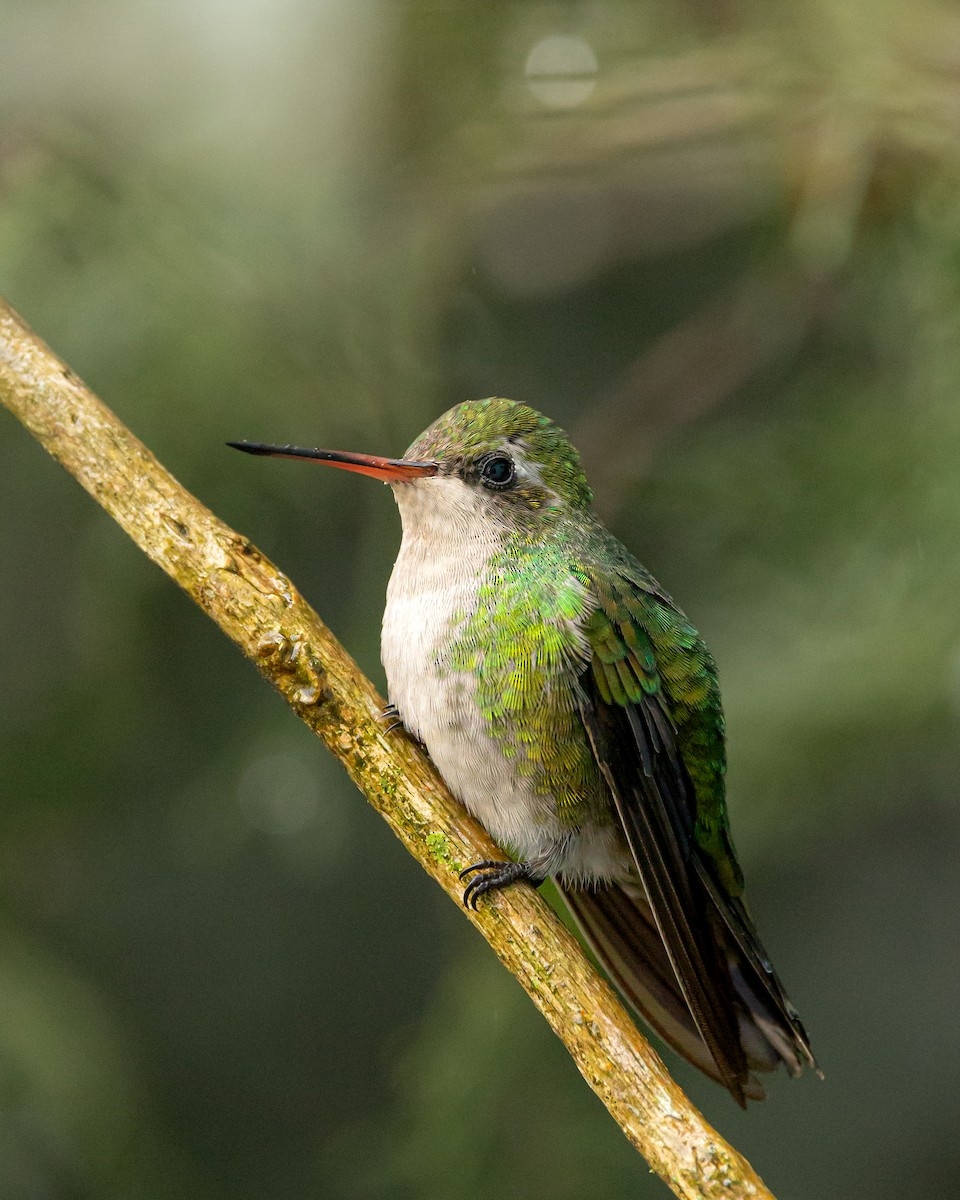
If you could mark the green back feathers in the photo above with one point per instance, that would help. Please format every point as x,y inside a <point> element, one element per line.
<point>643,646</point>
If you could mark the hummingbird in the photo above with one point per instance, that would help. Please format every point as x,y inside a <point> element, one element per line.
<point>571,706</point>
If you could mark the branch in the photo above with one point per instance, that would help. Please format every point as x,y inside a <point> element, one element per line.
<point>257,606</point>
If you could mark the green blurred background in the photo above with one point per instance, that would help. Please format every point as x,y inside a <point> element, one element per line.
<point>720,243</point>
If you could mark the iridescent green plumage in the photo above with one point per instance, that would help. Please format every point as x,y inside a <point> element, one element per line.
<point>522,643</point>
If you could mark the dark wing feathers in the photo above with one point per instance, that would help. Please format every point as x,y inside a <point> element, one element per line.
<point>742,930</point>
<point>663,863</point>
<point>656,744</point>
<point>657,737</point>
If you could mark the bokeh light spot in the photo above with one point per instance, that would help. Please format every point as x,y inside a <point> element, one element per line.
<point>279,794</point>
<point>561,71</point>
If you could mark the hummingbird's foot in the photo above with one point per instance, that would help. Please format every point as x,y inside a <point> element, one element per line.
<point>496,875</point>
<point>391,716</point>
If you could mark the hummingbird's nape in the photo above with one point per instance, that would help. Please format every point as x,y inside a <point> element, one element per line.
<point>575,711</point>
<point>390,470</point>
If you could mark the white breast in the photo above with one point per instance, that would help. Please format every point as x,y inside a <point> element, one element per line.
<point>445,548</point>
<point>448,540</point>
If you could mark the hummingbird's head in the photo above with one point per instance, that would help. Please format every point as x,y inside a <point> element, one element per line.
<point>510,453</point>
<point>482,461</point>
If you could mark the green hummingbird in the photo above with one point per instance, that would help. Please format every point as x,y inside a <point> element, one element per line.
<point>574,710</point>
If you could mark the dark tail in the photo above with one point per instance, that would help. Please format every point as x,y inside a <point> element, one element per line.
<point>618,925</point>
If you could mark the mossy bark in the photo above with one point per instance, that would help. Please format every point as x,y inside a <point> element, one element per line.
<point>257,606</point>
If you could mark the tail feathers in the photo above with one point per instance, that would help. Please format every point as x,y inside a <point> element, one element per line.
<point>618,924</point>
<point>757,983</point>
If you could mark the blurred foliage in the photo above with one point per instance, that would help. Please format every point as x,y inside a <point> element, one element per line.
<point>727,257</point>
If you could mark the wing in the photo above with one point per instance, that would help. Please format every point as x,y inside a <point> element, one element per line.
<point>651,710</point>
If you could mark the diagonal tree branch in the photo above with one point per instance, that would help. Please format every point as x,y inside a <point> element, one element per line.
<point>257,606</point>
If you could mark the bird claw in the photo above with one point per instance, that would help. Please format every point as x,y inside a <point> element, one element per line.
<point>391,713</point>
<point>494,875</point>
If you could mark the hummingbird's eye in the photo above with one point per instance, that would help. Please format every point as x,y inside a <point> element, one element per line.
<point>497,472</point>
